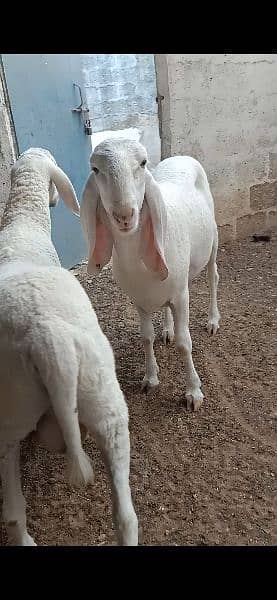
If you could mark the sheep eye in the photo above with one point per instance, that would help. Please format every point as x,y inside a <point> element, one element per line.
<point>143,163</point>
<point>95,170</point>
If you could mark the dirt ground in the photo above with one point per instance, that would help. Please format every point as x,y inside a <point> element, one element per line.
<point>197,479</point>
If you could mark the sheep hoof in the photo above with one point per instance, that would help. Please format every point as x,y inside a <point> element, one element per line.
<point>195,400</point>
<point>212,326</point>
<point>28,540</point>
<point>149,383</point>
<point>168,336</point>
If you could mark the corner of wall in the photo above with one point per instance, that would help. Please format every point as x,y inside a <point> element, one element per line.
<point>8,143</point>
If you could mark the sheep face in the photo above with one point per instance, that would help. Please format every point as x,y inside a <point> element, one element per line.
<point>119,168</point>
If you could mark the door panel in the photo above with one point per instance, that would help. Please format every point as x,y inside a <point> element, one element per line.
<point>42,95</point>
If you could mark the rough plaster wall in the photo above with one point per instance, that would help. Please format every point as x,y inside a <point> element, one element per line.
<point>121,93</point>
<point>7,146</point>
<point>222,109</point>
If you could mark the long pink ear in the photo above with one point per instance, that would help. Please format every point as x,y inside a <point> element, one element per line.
<point>153,228</point>
<point>95,224</point>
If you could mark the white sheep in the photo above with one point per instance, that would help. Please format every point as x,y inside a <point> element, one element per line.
<point>56,366</point>
<point>161,232</point>
<point>132,133</point>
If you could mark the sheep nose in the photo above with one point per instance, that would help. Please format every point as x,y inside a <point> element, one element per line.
<point>125,217</point>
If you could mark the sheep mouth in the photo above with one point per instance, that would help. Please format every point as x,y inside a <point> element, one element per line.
<point>126,229</point>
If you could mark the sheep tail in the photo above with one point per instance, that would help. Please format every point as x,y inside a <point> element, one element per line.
<point>55,356</point>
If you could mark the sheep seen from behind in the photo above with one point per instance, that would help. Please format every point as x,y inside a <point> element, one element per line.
<point>57,368</point>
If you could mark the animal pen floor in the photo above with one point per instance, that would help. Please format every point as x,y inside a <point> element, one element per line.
<point>197,479</point>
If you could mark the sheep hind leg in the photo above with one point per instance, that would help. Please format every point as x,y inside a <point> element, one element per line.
<point>111,434</point>
<point>14,503</point>
<point>213,279</point>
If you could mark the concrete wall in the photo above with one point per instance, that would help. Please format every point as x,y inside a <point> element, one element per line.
<point>7,144</point>
<point>121,93</point>
<point>222,109</point>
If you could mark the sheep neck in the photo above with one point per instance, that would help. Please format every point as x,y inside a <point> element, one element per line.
<point>127,248</point>
<point>28,201</point>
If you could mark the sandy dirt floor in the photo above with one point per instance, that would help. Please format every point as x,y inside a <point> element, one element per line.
<point>197,479</point>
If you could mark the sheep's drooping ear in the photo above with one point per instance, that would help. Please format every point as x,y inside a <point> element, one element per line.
<point>95,224</point>
<point>65,188</point>
<point>153,228</point>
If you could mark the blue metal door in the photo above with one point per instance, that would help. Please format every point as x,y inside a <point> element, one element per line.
<point>42,95</point>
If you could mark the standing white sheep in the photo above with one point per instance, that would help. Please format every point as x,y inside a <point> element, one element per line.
<point>161,232</point>
<point>56,366</point>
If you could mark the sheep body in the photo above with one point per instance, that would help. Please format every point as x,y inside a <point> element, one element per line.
<point>23,320</point>
<point>56,366</point>
<point>160,228</point>
<point>190,218</point>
